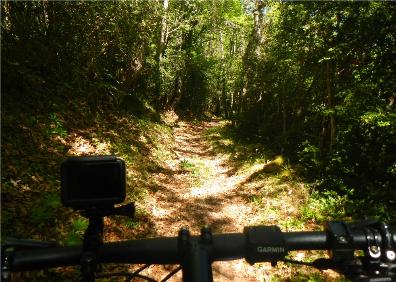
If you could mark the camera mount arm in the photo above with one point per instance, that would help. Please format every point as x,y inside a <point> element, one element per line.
<point>93,236</point>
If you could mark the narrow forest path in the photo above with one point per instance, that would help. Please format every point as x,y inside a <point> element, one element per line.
<point>199,187</point>
<point>205,194</point>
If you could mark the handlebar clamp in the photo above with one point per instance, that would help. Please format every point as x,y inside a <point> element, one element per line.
<point>341,240</point>
<point>378,261</point>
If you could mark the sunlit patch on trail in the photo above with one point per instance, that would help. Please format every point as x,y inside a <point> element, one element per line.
<point>159,212</point>
<point>81,146</point>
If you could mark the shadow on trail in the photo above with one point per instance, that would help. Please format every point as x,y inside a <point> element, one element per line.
<point>191,213</point>
<point>190,141</point>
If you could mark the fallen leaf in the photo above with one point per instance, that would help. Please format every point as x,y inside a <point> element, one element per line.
<point>15,183</point>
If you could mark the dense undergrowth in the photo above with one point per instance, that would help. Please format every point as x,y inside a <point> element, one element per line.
<point>34,143</point>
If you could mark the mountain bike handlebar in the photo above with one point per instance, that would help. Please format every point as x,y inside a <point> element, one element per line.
<point>256,244</point>
<point>224,247</point>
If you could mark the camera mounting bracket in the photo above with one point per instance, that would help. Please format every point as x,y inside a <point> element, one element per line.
<point>93,236</point>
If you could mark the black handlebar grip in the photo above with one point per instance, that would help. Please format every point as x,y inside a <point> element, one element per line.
<point>26,260</point>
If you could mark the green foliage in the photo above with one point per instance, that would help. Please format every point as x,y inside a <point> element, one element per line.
<point>129,223</point>
<point>55,126</point>
<point>117,55</point>
<point>204,47</point>
<point>365,161</point>
<point>186,165</point>
<point>78,49</point>
<point>320,90</point>
<point>75,236</point>
<point>46,211</point>
<point>309,157</point>
<point>314,277</point>
<point>324,206</point>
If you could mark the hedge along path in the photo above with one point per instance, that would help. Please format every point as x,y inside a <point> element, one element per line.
<point>200,187</point>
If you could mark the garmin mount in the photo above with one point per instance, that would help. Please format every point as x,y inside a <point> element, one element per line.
<point>93,185</point>
<point>376,262</point>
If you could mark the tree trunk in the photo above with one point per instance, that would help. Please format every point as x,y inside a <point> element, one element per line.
<point>283,114</point>
<point>328,123</point>
<point>160,51</point>
<point>331,106</point>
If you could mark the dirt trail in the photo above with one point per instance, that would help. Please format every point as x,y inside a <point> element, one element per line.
<point>214,199</point>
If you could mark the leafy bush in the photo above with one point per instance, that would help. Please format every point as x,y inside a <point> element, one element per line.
<point>309,158</point>
<point>363,163</point>
<point>324,206</point>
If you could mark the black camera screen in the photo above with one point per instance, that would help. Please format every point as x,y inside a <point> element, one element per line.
<point>93,181</point>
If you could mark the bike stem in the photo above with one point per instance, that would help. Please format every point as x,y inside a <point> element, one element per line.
<point>196,256</point>
<point>93,239</point>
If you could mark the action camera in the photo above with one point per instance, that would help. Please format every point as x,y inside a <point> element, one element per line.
<point>92,182</point>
